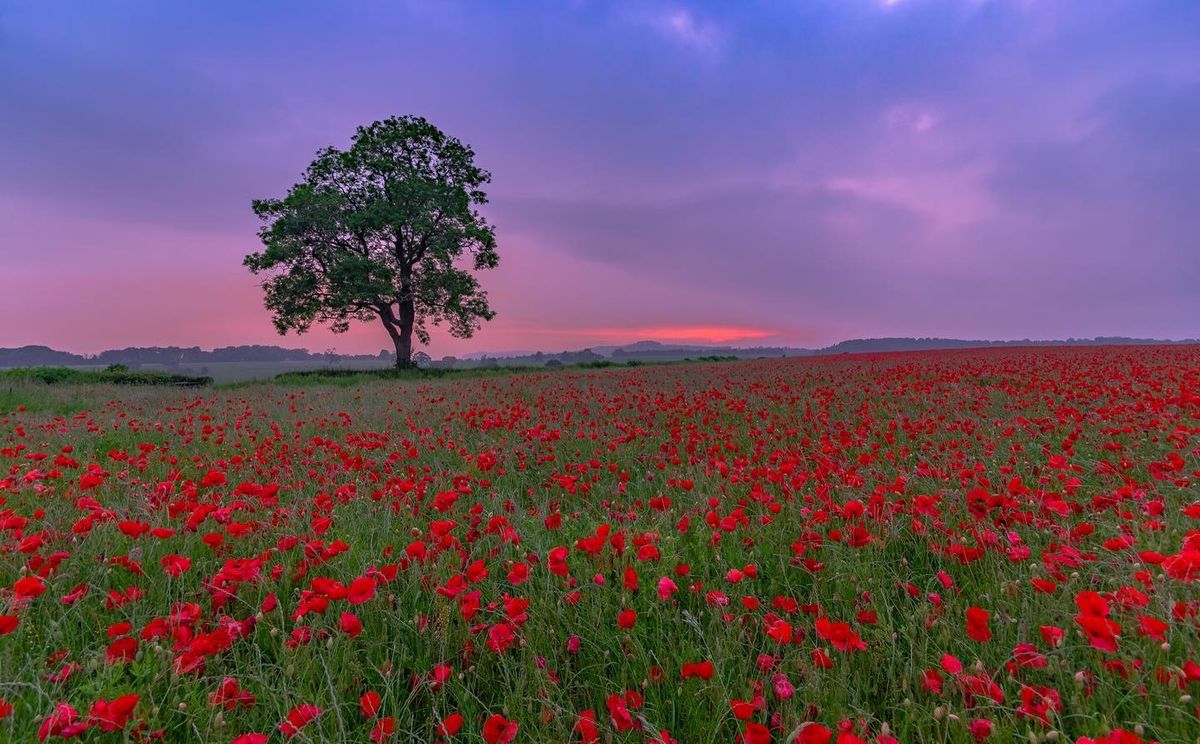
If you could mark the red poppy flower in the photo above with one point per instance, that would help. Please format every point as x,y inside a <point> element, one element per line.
<point>230,695</point>
<point>369,704</point>
<point>980,729</point>
<point>63,722</point>
<point>821,659</point>
<point>756,733</point>
<point>978,627</point>
<point>501,637</point>
<point>585,726</point>
<point>29,587</point>
<point>298,718</point>
<point>700,669</point>
<point>383,729</point>
<point>350,624</point>
<point>618,712</point>
<point>1102,633</point>
<point>840,635</point>
<point>499,730</point>
<point>112,715</point>
<point>121,651</point>
<point>556,561</point>
<point>742,710</point>
<point>813,733</point>
<point>361,590</point>
<point>450,725</point>
<point>176,565</point>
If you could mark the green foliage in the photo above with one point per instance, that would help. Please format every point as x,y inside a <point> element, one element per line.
<point>486,368</point>
<point>377,232</point>
<point>357,376</point>
<point>115,374</point>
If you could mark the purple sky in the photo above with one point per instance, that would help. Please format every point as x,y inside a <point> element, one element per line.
<point>787,171</point>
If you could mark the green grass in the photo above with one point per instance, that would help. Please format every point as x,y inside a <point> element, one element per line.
<point>349,377</point>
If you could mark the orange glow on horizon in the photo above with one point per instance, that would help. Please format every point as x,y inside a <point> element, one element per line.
<point>706,334</point>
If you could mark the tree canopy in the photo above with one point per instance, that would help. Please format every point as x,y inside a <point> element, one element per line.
<point>386,230</point>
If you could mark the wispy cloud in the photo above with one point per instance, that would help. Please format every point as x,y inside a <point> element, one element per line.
<point>948,197</point>
<point>911,117</point>
<point>684,27</point>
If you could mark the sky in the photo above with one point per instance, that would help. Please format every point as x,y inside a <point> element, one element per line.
<point>759,172</point>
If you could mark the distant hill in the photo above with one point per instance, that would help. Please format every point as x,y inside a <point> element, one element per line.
<point>874,345</point>
<point>174,357</point>
<point>650,351</point>
<point>37,356</point>
<point>649,346</point>
<point>170,356</point>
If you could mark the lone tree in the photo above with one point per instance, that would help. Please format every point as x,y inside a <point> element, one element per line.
<point>385,230</point>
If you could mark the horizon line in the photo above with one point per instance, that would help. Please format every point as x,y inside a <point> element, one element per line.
<point>1091,340</point>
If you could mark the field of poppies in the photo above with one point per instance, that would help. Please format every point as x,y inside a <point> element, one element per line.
<point>959,546</point>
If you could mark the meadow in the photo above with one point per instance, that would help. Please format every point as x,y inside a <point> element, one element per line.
<point>952,546</point>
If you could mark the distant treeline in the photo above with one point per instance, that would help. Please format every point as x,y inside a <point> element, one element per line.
<point>170,356</point>
<point>173,357</point>
<point>874,345</point>
<point>622,355</point>
<point>651,351</point>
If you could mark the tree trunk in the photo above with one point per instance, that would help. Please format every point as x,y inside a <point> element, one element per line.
<point>404,335</point>
<point>408,314</point>
<point>403,343</point>
<point>401,338</point>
